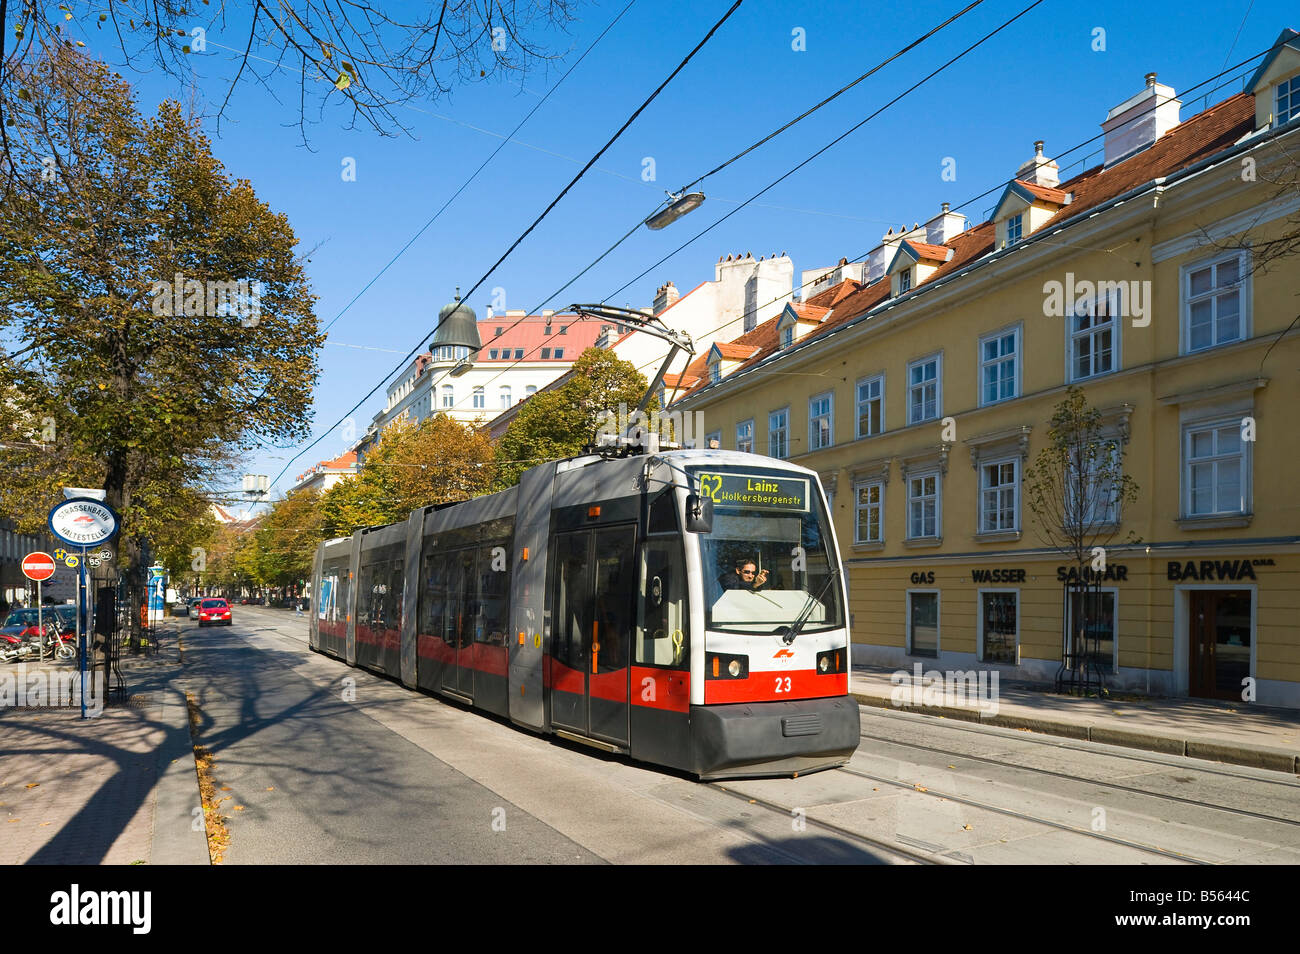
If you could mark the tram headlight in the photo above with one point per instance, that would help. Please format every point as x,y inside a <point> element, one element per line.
<point>833,661</point>
<point>735,668</point>
<point>824,664</point>
<point>726,666</point>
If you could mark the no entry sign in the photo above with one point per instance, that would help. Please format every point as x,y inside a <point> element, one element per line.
<point>38,566</point>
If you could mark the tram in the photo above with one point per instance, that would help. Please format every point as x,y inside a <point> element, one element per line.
<point>685,608</point>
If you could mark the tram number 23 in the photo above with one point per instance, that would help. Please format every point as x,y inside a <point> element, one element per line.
<point>782,683</point>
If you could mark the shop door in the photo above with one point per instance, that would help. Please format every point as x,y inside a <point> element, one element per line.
<point>1219,643</point>
<point>592,600</point>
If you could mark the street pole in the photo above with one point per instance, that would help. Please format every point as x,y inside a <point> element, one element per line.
<point>40,623</point>
<point>83,621</point>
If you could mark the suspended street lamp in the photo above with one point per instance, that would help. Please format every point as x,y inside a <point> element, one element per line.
<point>678,206</point>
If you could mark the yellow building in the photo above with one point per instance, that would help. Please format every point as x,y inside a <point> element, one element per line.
<point>1154,283</point>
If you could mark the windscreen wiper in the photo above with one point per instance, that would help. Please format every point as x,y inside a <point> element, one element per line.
<point>799,622</point>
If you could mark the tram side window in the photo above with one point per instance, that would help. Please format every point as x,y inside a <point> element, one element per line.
<point>433,595</point>
<point>494,590</point>
<point>365,581</point>
<point>663,513</point>
<point>396,590</point>
<point>663,638</point>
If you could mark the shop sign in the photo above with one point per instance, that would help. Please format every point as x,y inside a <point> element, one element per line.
<point>1113,571</point>
<point>1000,575</point>
<point>1214,569</point>
<point>923,576</point>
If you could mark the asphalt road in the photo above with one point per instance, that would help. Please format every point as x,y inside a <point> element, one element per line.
<point>392,776</point>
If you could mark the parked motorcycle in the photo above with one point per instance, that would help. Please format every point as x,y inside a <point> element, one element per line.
<point>30,642</point>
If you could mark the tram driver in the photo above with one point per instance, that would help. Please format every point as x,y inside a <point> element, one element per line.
<point>746,576</point>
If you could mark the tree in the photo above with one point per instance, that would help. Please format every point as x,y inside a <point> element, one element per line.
<point>353,54</point>
<point>438,461</point>
<point>163,323</point>
<point>1076,489</point>
<point>561,422</point>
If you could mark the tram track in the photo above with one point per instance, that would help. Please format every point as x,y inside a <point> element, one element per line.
<point>1022,816</point>
<point>1115,786</point>
<point>919,855</point>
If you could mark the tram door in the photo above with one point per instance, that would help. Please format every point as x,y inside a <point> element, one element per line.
<point>593,600</point>
<point>462,611</point>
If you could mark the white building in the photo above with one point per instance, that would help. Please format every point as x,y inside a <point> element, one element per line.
<point>327,473</point>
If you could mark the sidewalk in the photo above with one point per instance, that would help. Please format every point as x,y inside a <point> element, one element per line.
<point>119,788</point>
<point>1242,734</point>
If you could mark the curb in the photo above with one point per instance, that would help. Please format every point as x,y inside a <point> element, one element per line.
<point>1252,756</point>
<point>175,842</point>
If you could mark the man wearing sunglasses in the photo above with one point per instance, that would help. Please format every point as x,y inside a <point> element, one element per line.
<point>746,576</point>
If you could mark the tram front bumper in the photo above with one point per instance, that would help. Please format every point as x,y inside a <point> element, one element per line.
<point>753,739</point>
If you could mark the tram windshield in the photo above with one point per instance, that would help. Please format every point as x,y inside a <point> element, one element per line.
<point>767,562</point>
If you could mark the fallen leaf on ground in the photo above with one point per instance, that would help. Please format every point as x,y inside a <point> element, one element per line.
<point>12,820</point>
<point>238,808</point>
<point>42,824</point>
<point>965,827</point>
<point>225,788</point>
<point>920,788</point>
<point>33,784</point>
<point>270,788</point>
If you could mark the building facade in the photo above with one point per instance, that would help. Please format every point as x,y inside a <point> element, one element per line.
<point>924,396</point>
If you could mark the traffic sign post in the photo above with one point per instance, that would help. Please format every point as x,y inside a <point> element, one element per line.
<point>39,566</point>
<point>83,522</point>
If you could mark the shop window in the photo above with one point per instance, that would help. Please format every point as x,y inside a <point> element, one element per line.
<point>1092,619</point>
<point>923,624</point>
<point>999,625</point>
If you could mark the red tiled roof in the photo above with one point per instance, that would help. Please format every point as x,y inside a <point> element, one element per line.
<point>806,312</point>
<point>734,350</point>
<point>836,293</point>
<point>1047,194</point>
<point>530,336</point>
<point>1204,134</point>
<point>929,253</point>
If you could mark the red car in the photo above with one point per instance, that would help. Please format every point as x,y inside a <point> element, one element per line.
<point>214,611</point>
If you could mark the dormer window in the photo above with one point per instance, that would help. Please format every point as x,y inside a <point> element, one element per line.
<point>1015,228</point>
<point>715,372</point>
<point>787,336</point>
<point>905,281</point>
<point>1288,100</point>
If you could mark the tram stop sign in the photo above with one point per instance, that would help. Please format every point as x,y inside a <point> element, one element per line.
<point>38,566</point>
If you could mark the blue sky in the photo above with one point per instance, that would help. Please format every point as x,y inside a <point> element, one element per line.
<point>1041,78</point>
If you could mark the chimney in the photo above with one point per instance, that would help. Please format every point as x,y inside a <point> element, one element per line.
<point>1140,120</point>
<point>1040,170</point>
<point>665,296</point>
<point>941,229</point>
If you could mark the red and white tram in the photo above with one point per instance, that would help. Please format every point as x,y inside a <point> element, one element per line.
<point>686,608</point>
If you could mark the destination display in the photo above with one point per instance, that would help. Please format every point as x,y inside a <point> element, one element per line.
<point>755,492</point>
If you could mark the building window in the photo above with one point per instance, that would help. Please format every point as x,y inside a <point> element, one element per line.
<point>745,436</point>
<point>999,626</point>
<point>505,396</point>
<point>923,506</point>
<point>1094,337</point>
<point>494,353</point>
<point>821,423</point>
<point>1288,100</point>
<point>869,497</point>
<point>778,423</point>
<point>923,390</point>
<point>1090,613</point>
<point>713,441</point>
<point>448,396</point>
<point>564,329</point>
<point>519,354</point>
<point>500,332</point>
<point>546,354</point>
<point>999,496</point>
<point>715,372</point>
<point>1015,228</point>
<point>1213,296</point>
<point>1214,469</point>
<point>871,406</point>
<point>923,624</point>
<point>787,336</point>
<point>559,354</point>
<point>904,281</point>
<point>480,398</point>
<point>530,390</point>
<point>1090,501</point>
<point>999,366</point>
